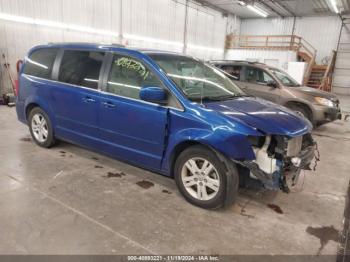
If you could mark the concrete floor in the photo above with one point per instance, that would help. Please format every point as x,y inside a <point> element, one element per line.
<point>67,200</point>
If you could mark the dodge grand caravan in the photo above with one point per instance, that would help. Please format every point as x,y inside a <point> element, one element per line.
<point>277,86</point>
<point>164,112</point>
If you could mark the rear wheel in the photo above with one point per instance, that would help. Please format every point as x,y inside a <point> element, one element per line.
<point>40,128</point>
<point>204,179</point>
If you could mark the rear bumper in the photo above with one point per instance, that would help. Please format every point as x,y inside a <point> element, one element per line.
<point>20,110</point>
<point>324,115</point>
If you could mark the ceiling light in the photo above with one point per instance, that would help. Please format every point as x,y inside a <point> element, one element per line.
<point>334,5</point>
<point>241,3</point>
<point>257,10</point>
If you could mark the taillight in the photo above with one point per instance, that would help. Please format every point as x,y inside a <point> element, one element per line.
<point>16,87</point>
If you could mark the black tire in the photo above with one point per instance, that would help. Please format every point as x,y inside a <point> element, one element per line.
<point>302,111</point>
<point>226,171</point>
<point>50,139</point>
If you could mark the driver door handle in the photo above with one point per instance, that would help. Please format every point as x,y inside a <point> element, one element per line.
<point>88,100</point>
<point>108,104</point>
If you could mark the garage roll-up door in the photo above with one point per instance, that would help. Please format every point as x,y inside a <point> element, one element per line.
<point>341,81</point>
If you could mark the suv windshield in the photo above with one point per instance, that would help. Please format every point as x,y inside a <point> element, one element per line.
<point>198,81</point>
<point>286,79</point>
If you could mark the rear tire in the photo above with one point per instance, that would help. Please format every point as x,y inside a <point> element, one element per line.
<point>205,178</point>
<point>40,128</point>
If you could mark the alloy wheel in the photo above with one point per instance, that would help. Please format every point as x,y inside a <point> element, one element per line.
<point>39,128</point>
<point>200,179</point>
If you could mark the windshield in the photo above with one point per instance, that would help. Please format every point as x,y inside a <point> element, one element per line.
<point>198,81</point>
<point>286,79</point>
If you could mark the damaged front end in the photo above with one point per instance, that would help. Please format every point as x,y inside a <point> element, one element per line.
<point>280,159</point>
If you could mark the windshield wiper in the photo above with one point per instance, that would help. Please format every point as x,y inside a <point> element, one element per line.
<point>214,98</point>
<point>244,95</point>
<point>225,97</point>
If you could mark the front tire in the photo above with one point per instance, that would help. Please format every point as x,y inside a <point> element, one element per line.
<point>206,179</point>
<point>300,110</point>
<point>41,128</point>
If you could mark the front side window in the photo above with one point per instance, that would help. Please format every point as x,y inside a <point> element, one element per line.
<point>198,81</point>
<point>81,68</point>
<point>40,63</point>
<point>128,75</point>
<point>286,79</point>
<point>258,76</point>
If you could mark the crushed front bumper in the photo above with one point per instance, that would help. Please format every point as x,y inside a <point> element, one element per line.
<point>277,180</point>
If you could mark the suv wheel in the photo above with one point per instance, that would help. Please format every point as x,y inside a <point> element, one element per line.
<point>301,111</point>
<point>204,180</point>
<point>40,128</point>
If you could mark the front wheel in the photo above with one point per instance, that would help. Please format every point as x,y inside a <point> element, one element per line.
<point>204,179</point>
<point>301,111</point>
<point>41,128</point>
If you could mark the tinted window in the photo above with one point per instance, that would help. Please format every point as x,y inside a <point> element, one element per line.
<point>258,76</point>
<point>40,63</point>
<point>81,68</point>
<point>232,70</point>
<point>128,75</point>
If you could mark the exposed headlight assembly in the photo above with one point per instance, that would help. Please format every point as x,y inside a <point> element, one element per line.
<point>324,101</point>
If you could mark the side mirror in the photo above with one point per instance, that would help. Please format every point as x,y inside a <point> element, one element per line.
<point>153,94</point>
<point>272,84</point>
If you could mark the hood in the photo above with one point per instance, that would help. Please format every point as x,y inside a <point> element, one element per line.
<point>267,117</point>
<point>315,92</point>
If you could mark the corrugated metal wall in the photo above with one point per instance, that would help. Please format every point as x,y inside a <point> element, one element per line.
<point>233,25</point>
<point>341,80</point>
<point>321,32</point>
<point>143,23</point>
<point>278,59</point>
<point>269,26</point>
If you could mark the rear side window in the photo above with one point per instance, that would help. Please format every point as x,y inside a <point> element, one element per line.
<point>81,68</point>
<point>40,63</point>
<point>233,70</point>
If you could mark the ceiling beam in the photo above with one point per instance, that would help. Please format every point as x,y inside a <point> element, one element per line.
<point>215,7</point>
<point>283,6</point>
<point>270,8</point>
<point>264,4</point>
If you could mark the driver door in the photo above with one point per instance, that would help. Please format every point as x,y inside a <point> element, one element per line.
<point>133,129</point>
<point>257,82</point>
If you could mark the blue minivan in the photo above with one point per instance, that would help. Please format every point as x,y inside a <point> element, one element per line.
<point>165,112</point>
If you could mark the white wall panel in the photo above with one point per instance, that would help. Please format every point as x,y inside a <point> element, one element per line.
<point>154,24</point>
<point>280,58</point>
<point>321,32</point>
<point>341,79</point>
<point>269,26</point>
<point>206,27</point>
<point>233,25</point>
<point>163,20</point>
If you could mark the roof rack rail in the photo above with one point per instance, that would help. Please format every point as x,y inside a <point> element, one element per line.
<point>237,61</point>
<point>85,43</point>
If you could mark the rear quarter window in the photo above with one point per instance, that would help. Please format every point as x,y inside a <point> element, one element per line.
<point>40,63</point>
<point>81,68</point>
